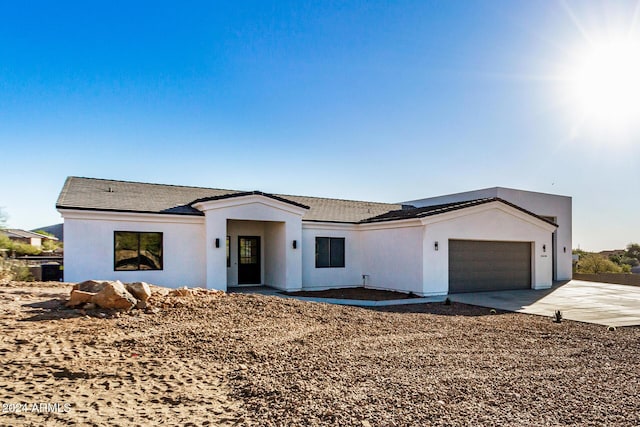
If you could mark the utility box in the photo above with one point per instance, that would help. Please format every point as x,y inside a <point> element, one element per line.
<point>51,272</point>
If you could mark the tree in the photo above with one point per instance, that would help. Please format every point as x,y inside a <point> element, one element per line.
<point>3,219</point>
<point>633,251</point>
<point>594,264</point>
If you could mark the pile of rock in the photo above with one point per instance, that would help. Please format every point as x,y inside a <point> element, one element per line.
<point>116,295</point>
<point>109,294</point>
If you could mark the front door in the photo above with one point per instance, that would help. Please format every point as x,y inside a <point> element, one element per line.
<point>249,260</point>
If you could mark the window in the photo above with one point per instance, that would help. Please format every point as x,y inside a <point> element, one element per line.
<point>329,252</point>
<point>137,251</point>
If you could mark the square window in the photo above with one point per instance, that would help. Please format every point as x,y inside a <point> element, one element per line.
<point>330,252</point>
<point>134,251</point>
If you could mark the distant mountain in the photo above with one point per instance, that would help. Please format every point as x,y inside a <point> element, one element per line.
<point>57,230</point>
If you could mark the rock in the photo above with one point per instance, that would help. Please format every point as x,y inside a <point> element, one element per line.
<point>159,290</point>
<point>93,286</point>
<point>89,306</point>
<point>181,292</point>
<point>79,297</point>
<point>140,290</point>
<point>141,305</point>
<point>115,296</point>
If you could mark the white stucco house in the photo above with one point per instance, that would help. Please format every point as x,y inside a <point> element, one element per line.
<point>496,238</point>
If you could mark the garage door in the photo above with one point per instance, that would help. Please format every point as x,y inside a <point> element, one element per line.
<point>476,266</point>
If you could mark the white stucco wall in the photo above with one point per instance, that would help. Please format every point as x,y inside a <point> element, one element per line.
<point>392,257</point>
<point>491,222</point>
<point>323,278</point>
<point>89,247</point>
<point>543,204</point>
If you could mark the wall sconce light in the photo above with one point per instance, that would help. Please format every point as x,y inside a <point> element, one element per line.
<point>435,246</point>
<point>295,244</point>
<point>544,248</point>
<point>564,249</point>
<point>217,242</point>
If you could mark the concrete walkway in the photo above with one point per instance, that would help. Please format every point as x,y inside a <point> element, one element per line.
<point>264,290</point>
<point>601,303</point>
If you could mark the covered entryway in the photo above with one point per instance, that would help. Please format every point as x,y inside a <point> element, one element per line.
<point>476,266</point>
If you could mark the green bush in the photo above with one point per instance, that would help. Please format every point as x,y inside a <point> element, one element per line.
<point>21,249</point>
<point>594,264</point>
<point>21,273</point>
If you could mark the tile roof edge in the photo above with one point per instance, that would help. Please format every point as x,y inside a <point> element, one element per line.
<point>74,208</point>
<point>454,206</point>
<point>249,193</point>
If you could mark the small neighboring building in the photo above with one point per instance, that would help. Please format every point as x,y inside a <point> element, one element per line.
<point>56,230</point>
<point>175,235</point>
<point>27,237</point>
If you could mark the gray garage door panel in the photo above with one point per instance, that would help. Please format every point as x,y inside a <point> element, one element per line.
<point>476,266</point>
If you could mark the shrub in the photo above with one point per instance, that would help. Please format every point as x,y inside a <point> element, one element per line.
<point>557,316</point>
<point>11,269</point>
<point>21,273</point>
<point>594,264</point>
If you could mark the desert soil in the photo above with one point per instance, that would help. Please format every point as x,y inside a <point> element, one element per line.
<point>259,360</point>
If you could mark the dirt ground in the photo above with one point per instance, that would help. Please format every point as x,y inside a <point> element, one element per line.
<point>258,360</point>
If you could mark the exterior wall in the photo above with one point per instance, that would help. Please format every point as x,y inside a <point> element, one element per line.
<point>548,205</point>
<point>393,258</point>
<point>89,248</point>
<point>275,248</point>
<point>324,278</point>
<point>35,241</point>
<point>488,222</point>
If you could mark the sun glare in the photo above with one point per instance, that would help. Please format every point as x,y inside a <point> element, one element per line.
<point>603,86</point>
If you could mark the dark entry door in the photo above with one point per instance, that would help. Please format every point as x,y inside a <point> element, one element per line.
<point>249,260</point>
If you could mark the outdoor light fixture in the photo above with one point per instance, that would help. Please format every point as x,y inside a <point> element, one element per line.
<point>295,244</point>
<point>544,248</point>
<point>217,242</point>
<point>435,246</point>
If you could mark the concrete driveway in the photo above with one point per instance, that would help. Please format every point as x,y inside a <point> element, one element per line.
<point>602,303</point>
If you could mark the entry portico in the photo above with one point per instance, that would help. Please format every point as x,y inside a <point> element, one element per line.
<point>231,219</point>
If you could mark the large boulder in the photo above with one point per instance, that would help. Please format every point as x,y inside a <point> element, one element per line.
<point>140,290</point>
<point>79,297</point>
<point>114,295</point>
<point>94,286</point>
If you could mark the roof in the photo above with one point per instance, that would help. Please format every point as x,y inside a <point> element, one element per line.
<point>23,234</point>
<point>56,229</point>
<point>411,213</point>
<point>123,196</point>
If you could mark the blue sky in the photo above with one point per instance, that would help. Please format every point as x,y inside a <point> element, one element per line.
<point>381,101</point>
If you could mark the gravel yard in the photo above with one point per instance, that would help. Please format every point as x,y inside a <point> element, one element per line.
<point>261,360</point>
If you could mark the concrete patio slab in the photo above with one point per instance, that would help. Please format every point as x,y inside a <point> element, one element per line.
<point>591,302</point>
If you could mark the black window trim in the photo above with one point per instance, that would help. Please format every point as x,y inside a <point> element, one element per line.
<point>344,254</point>
<point>139,233</point>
